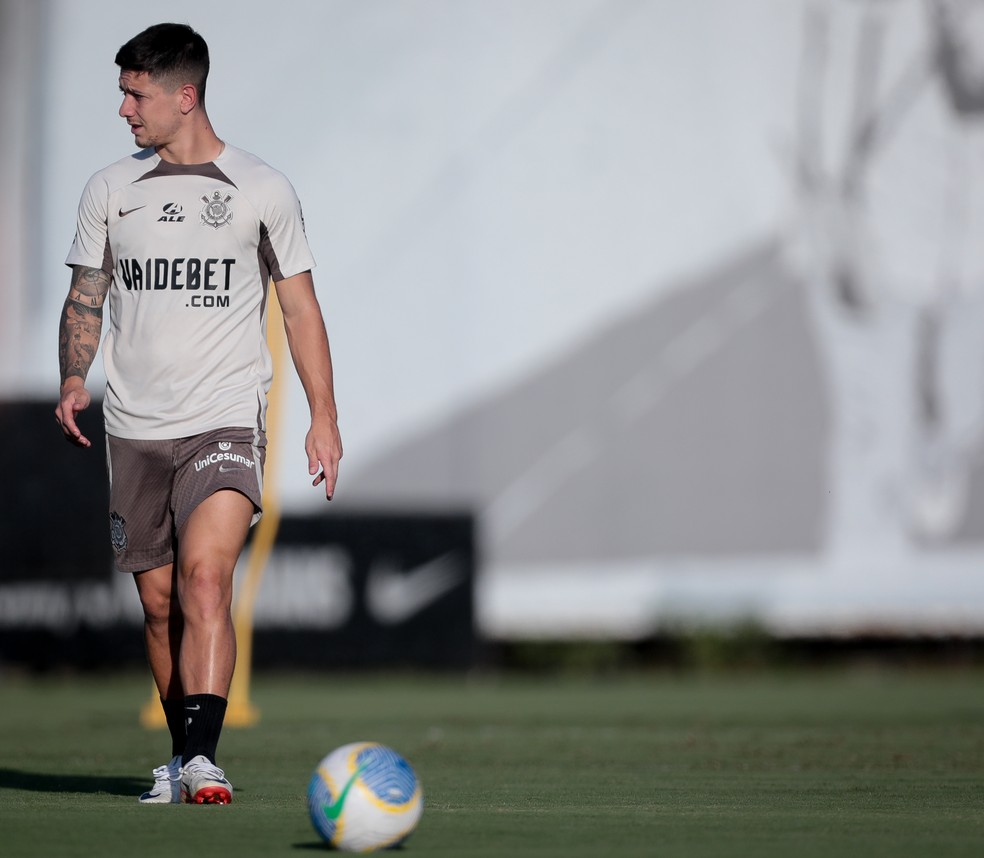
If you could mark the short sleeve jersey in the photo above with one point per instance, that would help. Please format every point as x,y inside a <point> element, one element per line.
<point>191,250</point>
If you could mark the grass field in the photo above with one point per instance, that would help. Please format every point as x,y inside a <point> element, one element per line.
<point>822,763</point>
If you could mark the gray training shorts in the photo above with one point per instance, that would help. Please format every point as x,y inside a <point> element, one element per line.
<point>155,485</point>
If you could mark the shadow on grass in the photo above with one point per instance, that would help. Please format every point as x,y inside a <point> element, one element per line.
<point>321,846</point>
<point>37,782</point>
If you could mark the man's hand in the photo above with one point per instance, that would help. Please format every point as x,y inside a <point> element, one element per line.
<point>308,342</point>
<point>324,449</point>
<point>74,398</point>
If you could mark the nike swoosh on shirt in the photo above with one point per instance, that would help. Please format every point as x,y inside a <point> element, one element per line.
<point>394,596</point>
<point>131,211</point>
<point>225,469</point>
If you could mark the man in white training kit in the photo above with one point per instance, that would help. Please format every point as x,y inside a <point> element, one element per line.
<point>184,237</point>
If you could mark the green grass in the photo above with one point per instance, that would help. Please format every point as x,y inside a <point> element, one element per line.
<point>835,763</point>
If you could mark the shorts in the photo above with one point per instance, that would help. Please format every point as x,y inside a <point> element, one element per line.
<point>155,485</point>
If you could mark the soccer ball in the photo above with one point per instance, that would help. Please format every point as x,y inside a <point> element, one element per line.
<point>364,796</point>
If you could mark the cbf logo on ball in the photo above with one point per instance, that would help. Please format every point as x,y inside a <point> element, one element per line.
<point>216,212</point>
<point>364,797</point>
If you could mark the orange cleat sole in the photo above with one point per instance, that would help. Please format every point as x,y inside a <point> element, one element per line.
<point>211,795</point>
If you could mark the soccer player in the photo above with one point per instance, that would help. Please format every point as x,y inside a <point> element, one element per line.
<point>183,237</point>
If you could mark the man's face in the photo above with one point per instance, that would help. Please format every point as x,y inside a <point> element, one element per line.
<point>152,112</point>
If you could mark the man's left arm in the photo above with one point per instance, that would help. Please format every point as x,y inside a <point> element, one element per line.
<point>308,341</point>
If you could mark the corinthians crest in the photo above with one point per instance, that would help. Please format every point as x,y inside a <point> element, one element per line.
<point>216,212</point>
<point>117,531</point>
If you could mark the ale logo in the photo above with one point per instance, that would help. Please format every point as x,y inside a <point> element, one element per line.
<point>172,213</point>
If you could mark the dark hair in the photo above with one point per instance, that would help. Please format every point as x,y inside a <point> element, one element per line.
<point>172,54</point>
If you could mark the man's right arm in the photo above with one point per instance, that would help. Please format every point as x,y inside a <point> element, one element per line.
<point>78,342</point>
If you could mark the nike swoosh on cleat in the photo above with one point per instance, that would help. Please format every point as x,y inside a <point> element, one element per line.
<point>131,211</point>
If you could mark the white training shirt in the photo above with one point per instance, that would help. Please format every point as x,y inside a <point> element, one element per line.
<point>191,250</point>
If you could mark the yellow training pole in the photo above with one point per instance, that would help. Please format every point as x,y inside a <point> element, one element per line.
<point>241,712</point>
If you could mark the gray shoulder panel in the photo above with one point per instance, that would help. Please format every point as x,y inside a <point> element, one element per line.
<point>166,168</point>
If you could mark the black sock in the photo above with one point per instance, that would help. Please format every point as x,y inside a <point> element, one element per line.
<point>174,714</point>
<point>203,714</point>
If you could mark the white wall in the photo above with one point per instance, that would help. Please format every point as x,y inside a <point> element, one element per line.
<point>483,182</point>
<point>492,185</point>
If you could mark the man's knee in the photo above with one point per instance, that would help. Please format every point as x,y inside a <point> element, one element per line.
<point>156,595</point>
<point>157,610</point>
<point>205,588</point>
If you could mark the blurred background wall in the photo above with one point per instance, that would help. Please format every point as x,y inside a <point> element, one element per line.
<point>681,304</point>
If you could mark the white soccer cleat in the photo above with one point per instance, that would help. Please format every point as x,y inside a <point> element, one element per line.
<point>203,782</point>
<point>167,784</point>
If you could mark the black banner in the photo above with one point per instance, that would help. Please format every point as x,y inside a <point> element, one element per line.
<point>409,583</point>
<point>341,589</point>
<point>54,506</point>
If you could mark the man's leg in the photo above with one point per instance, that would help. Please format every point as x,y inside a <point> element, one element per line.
<point>162,627</point>
<point>162,633</point>
<point>209,545</point>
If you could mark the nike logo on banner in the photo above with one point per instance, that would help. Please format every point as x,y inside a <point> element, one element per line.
<point>393,596</point>
<point>131,211</point>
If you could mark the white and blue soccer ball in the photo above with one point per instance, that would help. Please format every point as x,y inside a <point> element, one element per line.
<point>364,796</point>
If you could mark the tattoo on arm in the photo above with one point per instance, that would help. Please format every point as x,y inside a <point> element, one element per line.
<point>81,321</point>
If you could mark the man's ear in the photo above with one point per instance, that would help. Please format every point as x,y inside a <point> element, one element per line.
<point>189,98</point>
